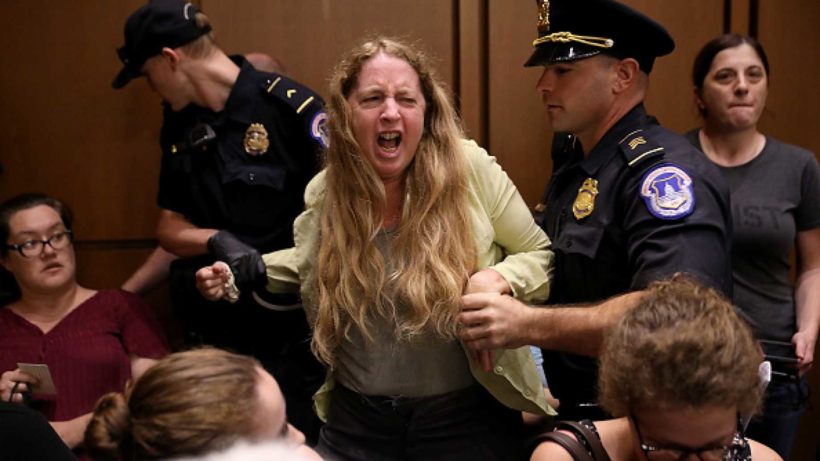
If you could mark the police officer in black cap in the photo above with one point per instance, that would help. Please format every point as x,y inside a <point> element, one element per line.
<point>239,146</point>
<point>629,202</point>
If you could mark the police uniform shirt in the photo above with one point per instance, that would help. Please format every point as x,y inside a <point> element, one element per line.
<point>643,205</point>
<point>209,176</point>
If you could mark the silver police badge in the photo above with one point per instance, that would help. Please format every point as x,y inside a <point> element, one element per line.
<point>256,139</point>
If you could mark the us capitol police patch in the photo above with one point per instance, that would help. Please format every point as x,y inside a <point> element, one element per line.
<point>667,191</point>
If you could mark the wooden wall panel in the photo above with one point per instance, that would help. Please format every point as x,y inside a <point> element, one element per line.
<point>472,68</point>
<point>63,129</point>
<point>691,23</point>
<point>310,35</point>
<point>518,131</point>
<point>789,33</point>
<point>739,16</point>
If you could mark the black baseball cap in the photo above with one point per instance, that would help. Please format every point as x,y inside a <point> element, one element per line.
<point>575,29</point>
<point>159,24</point>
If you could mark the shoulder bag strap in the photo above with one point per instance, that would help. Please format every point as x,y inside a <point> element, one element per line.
<point>593,440</point>
<point>569,443</point>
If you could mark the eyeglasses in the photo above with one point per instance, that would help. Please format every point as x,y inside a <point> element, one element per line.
<point>708,453</point>
<point>32,248</point>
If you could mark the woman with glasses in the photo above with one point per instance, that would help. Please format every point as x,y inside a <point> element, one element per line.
<point>92,342</point>
<point>679,371</point>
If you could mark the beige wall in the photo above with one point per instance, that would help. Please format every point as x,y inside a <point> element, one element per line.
<point>63,130</point>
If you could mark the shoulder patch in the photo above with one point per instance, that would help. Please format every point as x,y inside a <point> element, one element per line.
<point>667,191</point>
<point>637,146</point>
<point>318,128</point>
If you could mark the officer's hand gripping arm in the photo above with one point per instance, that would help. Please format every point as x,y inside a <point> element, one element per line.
<point>244,260</point>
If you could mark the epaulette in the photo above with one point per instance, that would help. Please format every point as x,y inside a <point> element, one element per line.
<point>304,102</point>
<point>638,147</point>
<point>302,99</point>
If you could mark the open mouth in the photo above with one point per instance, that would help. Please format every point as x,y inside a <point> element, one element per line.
<point>389,141</point>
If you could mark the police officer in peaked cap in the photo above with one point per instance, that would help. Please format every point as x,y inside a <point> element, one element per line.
<point>238,148</point>
<point>629,202</point>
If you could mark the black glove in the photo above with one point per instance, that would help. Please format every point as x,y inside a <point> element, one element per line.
<point>245,262</point>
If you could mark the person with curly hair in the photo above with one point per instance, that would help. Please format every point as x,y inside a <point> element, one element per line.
<point>679,372</point>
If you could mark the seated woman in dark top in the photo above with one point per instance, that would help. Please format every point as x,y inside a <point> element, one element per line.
<point>92,341</point>
<point>679,371</point>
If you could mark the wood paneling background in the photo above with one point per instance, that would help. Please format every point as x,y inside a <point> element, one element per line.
<point>309,36</point>
<point>792,44</point>
<point>64,131</point>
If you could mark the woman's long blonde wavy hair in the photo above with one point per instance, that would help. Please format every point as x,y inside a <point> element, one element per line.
<point>433,249</point>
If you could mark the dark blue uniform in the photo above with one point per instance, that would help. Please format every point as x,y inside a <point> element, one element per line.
<point>641,206</point>
<point>218,184</point>
<point>244,170</point>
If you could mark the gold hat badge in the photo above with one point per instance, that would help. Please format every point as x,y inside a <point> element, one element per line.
<point>585,200</point>
<point>256,139</point>
<point>564,36</point>
<point>544,16</point>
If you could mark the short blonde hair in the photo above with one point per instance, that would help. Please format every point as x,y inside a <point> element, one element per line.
<point>204,45</point>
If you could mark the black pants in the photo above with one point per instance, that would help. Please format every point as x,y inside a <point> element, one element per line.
<point>279,340</point>
<point>462,425</point>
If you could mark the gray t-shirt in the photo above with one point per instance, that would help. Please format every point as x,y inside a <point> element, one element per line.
<point>423,366</point>
<point>774,196</point>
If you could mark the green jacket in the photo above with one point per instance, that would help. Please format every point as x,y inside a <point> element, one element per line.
<point>508,240</point>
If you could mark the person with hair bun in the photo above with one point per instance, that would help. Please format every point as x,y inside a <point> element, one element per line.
<point>679,371</point>
<point>190,404</point>
<point>92,341</point>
